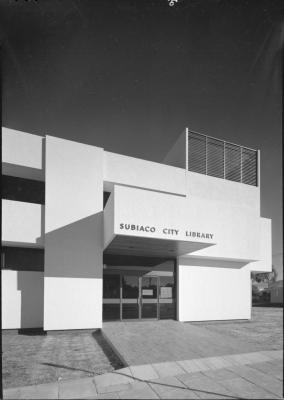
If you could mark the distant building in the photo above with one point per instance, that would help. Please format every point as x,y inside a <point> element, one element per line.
<point>90,235</point>
<point>276,292</point>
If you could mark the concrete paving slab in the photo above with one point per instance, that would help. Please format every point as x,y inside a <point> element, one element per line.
<point>144,372</point>
<point>139,390</point>
<point>260,379</point>
<point>112,378</point>
<point>105,396</point>
<point>124,371</point>
<point>47,391</point>
<point>244,389</point>
<point>205,387</point>
<point>77,389</point>
<point>11,393</point>
<point>189,366</point>
<point>273,354</point>
<point>237,359</point>
<point>217,362</point>
<point>274,369</point>
<point>220,374</point>
<point>257,357</point>
<point>212,363</point>
<point>44,391</point>
<point>172,388</point>
<point>115,388</point>
<point>203,364</point>
<point>168,369</point>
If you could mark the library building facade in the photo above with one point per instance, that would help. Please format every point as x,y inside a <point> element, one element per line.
<point>90,236</point>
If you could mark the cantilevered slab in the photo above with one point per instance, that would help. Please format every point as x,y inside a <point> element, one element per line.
<point>141,246</point>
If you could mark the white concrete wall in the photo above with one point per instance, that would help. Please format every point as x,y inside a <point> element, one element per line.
<point>161,210</point>
<point>135,172</point>
<point>236,230</point>
<point>22,299</point>
<point>224,191</point>
<point>73,235</point>
<point>22,224</point>
<point>213,290</point>
<point>22,154</point>
<point>265,248</point>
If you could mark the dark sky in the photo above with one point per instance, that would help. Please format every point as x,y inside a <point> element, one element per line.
<point>130,75</point>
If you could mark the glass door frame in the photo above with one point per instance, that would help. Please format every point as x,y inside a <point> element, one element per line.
<point>158,277</point>
<point>155,298</point>
<point>139,298</point>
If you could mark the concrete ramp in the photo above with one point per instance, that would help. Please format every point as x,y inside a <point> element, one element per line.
<point>147,342</point>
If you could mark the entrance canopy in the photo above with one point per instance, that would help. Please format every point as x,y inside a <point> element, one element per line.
<point>141,246</point>
<point>146,223</point>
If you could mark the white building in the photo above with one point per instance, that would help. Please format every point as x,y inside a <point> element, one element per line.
<point>89,235</point>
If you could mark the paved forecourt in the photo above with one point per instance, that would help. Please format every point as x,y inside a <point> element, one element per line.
<point>145,342</point>
<point>247,375</point>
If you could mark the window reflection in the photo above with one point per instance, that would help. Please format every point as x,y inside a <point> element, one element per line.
<point>130,287</point>
<point>111,287</point>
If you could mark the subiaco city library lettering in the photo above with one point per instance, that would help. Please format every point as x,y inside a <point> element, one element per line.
<point>165,231</point>
<point>90,236</point>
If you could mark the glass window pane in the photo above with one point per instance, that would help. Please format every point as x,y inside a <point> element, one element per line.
<point>130,311</point>
<point>22,259</point>
<point>111,286</point>
<point>149,310</point>
<point>149,288</point>
<point>20,189</point>
<point>167,287</point>
<point>130,287</point>
<point>167,310</point>
<point>111,312</point>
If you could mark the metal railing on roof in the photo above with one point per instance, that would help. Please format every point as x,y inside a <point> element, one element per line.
<point>221,159</point>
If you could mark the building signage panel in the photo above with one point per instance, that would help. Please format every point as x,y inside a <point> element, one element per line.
<point>166,292</point>
<point>147,292</point>
<point>169,232</point>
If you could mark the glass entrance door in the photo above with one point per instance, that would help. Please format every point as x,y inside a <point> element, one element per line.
<point>139,297</point>
<point>130,297</point>
<point>135,293</point>
<point>149,297</point>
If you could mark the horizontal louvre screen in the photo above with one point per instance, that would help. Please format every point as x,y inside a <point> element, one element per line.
<point>232,162</point>
<point>197,153</point>
<point>214,157</point>
<point>249,165</point>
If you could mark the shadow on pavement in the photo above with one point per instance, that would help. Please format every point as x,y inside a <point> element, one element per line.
<point>114,360</point>
<point>66,367</point>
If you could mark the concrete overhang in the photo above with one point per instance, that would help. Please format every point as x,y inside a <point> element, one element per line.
<point>148,223</point>
<point>142,246</point>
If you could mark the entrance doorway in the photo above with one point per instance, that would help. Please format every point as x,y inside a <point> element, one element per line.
<point>139,297</point>
<point>136,293</point>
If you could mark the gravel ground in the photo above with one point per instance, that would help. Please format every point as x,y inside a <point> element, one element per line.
<point>35,359</point>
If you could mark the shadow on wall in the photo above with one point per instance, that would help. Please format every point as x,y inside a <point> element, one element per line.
<point>30,284</point>
<point>196,262</point>
<point>76,250</point>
